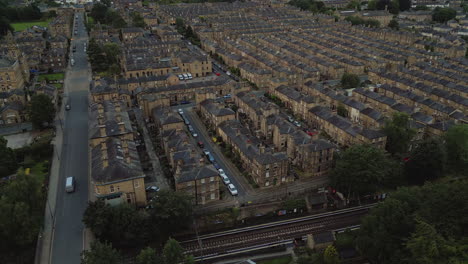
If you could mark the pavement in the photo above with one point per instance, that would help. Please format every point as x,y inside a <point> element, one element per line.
<point>158,177</point>
<point>63,237</point>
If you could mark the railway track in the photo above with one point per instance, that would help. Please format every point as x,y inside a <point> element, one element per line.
<point>271,234</point>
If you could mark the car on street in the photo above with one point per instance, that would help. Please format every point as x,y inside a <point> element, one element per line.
<point>290,119</point>
<point>152,188</point>
<point>200,144</point>
<point>185,76</point>
<point>67,107</point>
<point>185,102</point>
<point>206,152</point>
<point>210,157</point>
<point>74,48</point>
<point>296,123</point>
<point>221,171</point>
<point>181,77</point>
<point>194,134</point>
<point>180,111</point>
<point>216,165</point>
<point>190,128</point>
<point>218,74</point>
<point>72,62</point>
<point>232,189</point>
<point>225,179</point>
<point>189,75</point>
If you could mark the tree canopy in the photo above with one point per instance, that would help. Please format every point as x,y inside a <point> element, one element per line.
<point>41,111</point>
<point>349,80</point>
<point>173,253</point>
<point>148,256</point>
<point>419,225</point>
<point>364,169</point>
<point>101,253</point>
<point>443,14</point>
<point>399,133</point>
<point>22,209</point>
<point>103,14</point>
<point>456,142</point>
<point>104,58</point>
<point>426,161</point>
<point>8,164</point>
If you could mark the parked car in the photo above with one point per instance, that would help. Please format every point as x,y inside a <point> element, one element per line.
<point>181,112</point>
<point>206,152</point>
<point>225,179</point>
<point>232,189</point>
<point>189,76</point>
<point>200,144</point>
<point>218,74</point>
<point>185,76</point>
<point>181,77</point>
<point>296,123</point>
<point>216,165</point>
<point>290,119</point>
<point>194,134</point>
<point>190,128</point>
<point>210,157</point>
<point>152,188</point>
<point>221,171</point>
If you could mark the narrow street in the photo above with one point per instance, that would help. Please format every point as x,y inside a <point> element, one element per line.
<point>64,233</point>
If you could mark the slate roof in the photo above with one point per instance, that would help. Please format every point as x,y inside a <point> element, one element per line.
<point>196,173</point>
<point>119,169</point>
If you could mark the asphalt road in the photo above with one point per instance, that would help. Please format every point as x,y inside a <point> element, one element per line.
<point>218,156</point>
<point>68,240</point>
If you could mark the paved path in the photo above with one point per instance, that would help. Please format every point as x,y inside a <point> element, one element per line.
<point>157,173</point>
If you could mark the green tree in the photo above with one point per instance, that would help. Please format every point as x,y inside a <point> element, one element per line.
<point>98,12</point>
<point>170,212</point>
<point>138,20</point>
<point>121,225</point>
<point>404,5</point>
<point>22,209</point>
<point>173,253</point>
<point>5,26</point>
<point>8,164</point>
<point>399,133</point>
<point>364,169</point>
<point>354,4</point>
<point>426,161</point>
<point>425,244</point>
<point>456,141</point>
<point>443,14</point>
<point>349,80</point>
<point>372,5</point>
<point>330,255</point>
<point>394,24</point>
<point>41,111</point>
<point>101,253</point>
<point>148,256</point>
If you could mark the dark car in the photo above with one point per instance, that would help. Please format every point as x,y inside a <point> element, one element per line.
<point>200,144</point>
<point>216,165</point>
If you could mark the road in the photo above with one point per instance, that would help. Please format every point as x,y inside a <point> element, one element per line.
<point>68,241</point>
<point>219,157</point>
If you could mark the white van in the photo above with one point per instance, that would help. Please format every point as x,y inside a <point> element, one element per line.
<point>189,75</point>
<point>185,76</point>
<point>70,185</point>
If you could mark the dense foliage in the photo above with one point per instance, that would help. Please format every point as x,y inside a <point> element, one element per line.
<point>104,58</point>
<point>399,133</point>
<point>8,164</point>
<point>350,80</point>
<point>393,6</point>
<point>456,144</point>
<point>418,225</point>
<point>364,169</point>
<point>309,5</point>
<point>101,253</point>
<point>22,209</point>
<point>41,111</point>
<point>126,226</point>
<point>355,20</point>
<point>105,15</point>
<point>443,14</point>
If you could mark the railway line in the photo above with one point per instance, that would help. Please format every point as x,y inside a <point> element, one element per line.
<point>231,242</point>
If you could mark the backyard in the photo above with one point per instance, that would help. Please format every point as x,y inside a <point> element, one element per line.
<point>51,77</point>
<point>20,26</point>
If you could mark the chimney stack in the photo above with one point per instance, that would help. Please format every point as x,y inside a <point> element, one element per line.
<point>262,149</point>
<point>102,130</point>
<point>122,127</point>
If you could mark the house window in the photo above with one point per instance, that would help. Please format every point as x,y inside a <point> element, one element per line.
<point>202,181</point>
<point>112,189</point>
<point>213,196</point>
<point>189,184</point>
<point>211,179</point>
<point>118,187</point>
<point>136,184</point>
<point>267,183</point>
